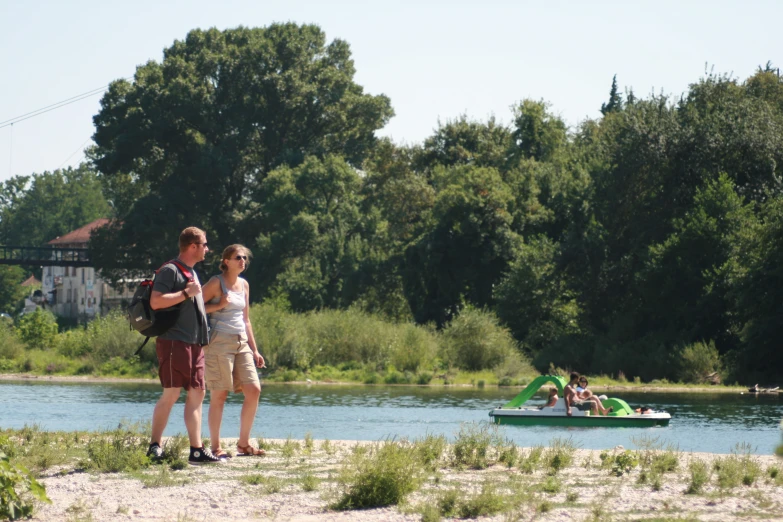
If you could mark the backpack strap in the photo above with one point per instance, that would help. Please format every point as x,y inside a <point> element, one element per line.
<point>142,346</point>
<point>222,284</point>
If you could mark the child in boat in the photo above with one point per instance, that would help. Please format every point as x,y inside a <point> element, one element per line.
<point>552,398</point>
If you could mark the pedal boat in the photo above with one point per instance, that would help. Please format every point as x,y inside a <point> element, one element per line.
<point>514,412</point>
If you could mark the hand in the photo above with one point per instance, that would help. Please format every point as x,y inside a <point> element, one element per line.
<point>193,289</point>
<point>260,362</point>
<point>223,301</point>
<point>568,412</point>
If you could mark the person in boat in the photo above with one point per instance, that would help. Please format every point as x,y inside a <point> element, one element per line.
<point>231,356</point>
<point>553,398</point>
<point>575,396</point>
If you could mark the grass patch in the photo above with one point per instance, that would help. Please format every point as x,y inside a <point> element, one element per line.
<point>382,476</point>
<point>123,449</point>
<point>477,445</point>
<point>163,479</point>
<point>530,461</point>
<point>739,468</point>
<point>559,455</point>
<point>430,450</point>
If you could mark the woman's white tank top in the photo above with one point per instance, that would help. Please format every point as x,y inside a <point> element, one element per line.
<point>230,319</point>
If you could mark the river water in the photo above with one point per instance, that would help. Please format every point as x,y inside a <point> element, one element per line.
<point>714,423</point>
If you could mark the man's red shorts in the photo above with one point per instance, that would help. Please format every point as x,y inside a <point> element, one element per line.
<point>181,365</point>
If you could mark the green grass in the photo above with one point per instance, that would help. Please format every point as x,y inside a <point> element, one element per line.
<point>381,476</point>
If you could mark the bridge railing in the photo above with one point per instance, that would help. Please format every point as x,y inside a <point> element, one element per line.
<point>44,256</point>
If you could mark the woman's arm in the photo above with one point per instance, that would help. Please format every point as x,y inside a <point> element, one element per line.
<point>210,291</point>
<point>251,339</point>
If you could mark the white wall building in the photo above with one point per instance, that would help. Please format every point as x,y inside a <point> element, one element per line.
<point>78,292</point>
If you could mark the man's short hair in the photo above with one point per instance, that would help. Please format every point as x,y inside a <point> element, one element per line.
<point>574,376</point>
<point>189,236</point>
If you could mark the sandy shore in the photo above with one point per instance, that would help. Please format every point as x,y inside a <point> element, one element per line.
<point>585,491</point>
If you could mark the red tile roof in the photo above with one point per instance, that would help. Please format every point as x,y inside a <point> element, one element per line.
<point>30,281</point>
<point>80,235</point>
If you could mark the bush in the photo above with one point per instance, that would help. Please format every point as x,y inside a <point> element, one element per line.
<point>10,346</point>
<point>18,488</point>
<point>118,450</point>
<point>38,329</point>
<point>700,476</point>
<point>335,337</point>
<point>475,341</point>
<point>477,445</point>
<point>383,476</point>
<point>697,361</point>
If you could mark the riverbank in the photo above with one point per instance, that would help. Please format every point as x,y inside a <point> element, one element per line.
<point>303,480</point>
<point>658,388</point>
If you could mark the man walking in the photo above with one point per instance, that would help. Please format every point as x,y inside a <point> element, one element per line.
<point>180,356</point>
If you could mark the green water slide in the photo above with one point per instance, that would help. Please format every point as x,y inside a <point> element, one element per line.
<point>542,380</point>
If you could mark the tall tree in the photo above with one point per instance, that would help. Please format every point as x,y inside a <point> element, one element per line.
<point>198,131</point>
<point>36,209</point>
<point>615,103</point>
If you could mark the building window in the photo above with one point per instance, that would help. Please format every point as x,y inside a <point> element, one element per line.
<point>68,297</point>
<point>82,301</point>
<point>73,270</point>
<point>82,275</point>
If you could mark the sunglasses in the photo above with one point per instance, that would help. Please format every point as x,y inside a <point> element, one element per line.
<point>241,258</point>
<point>202,244</point>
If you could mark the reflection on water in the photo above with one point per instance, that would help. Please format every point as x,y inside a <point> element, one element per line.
<point>700,422</point>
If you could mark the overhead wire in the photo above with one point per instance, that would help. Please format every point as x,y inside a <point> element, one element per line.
<point>48,108</point>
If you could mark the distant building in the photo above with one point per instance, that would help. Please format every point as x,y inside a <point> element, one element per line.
<point>79,293</point>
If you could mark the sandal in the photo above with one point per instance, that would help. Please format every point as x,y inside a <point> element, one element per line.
<point>219,453</point>
<point>249,451</point>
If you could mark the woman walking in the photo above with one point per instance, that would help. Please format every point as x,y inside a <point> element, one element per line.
<point>231,357</point>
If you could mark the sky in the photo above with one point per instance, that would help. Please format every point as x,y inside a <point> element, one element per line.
<point>436,60</point>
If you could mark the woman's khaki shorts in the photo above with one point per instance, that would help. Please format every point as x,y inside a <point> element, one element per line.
<point>229,362</point>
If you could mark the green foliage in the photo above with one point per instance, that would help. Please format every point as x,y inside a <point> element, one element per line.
<point>36,209</point>
<point>487,502</point>
<point>11,293</point>
<point>18,489</point>
<point>739,468</point>
<point>38,329</point>
<point>699,476</point>
<point>383,476</point>
<point>531,461</point>
<point>476,445</point>
<point>698,361</point>
<point>117,450</point>
<point>559,455</point>
<point>224,84</point>
<point>430,450</point>
<point>475,341</point>
<point>620,463</point>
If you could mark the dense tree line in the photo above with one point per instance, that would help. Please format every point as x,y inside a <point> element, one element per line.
<point>637,241</point>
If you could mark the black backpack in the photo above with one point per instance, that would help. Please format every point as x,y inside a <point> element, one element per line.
<point>149,322</point>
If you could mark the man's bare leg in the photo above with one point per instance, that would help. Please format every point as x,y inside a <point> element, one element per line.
<point>160,415</point>
<point>193,404</point>
<point>217,400</point>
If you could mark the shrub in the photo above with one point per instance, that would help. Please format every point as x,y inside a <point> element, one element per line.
<point>383,476</point>
<point>488,502</point>
<point>560,454</point>
<point>475,341</point>
<point>10,346</point>
<point>38,329</point>
<point>118,450</point>
<point>699,476</point>
<point>697,361</point>
<point>738,468</point>
<point>476,445</point>
<point>18,489</point>
<point>430,450</point>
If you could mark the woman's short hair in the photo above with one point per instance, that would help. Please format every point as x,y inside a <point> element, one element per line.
<point>231,251</point>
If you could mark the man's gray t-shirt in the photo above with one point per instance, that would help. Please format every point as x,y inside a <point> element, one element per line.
<point>189,328</point>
